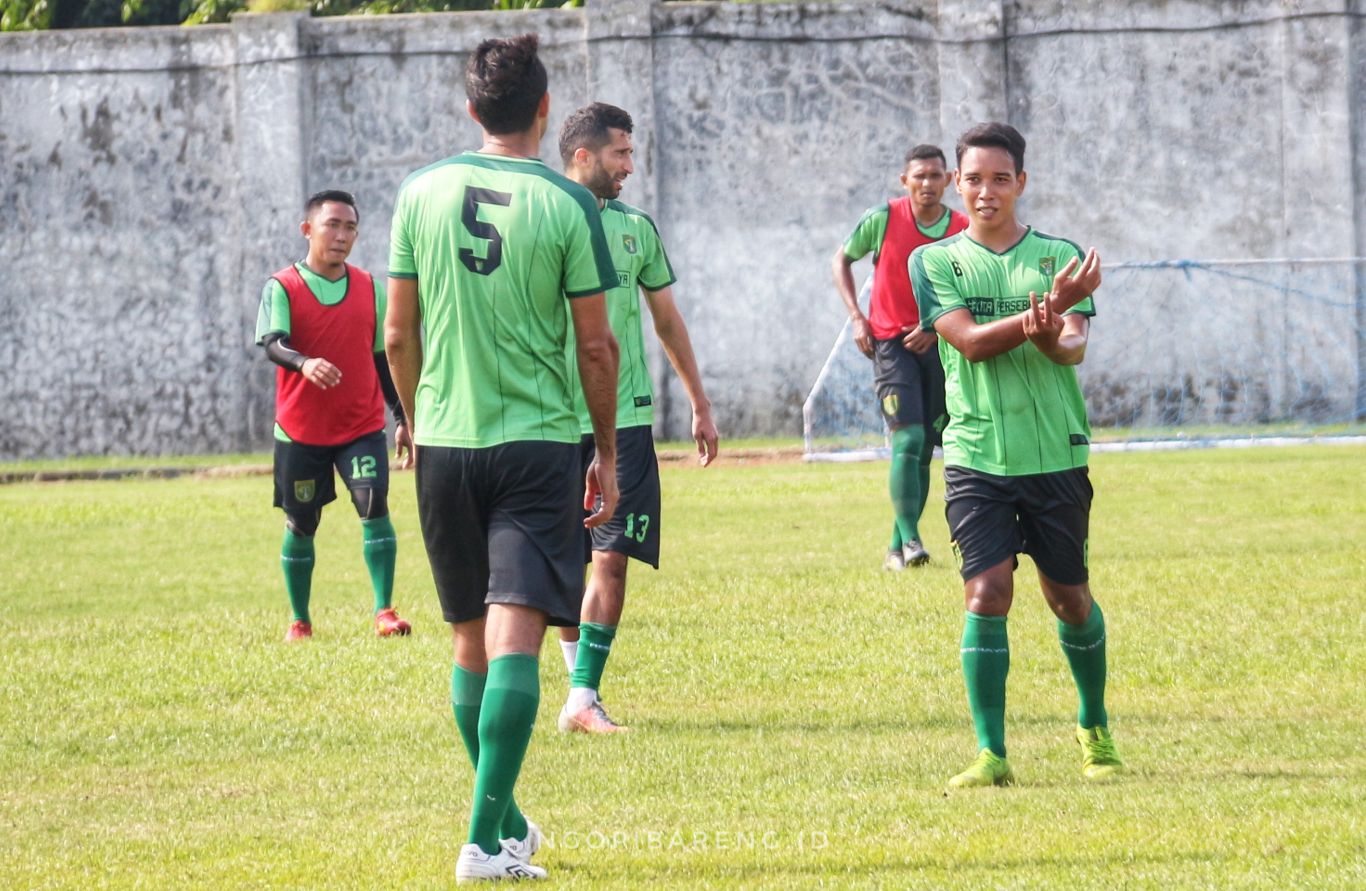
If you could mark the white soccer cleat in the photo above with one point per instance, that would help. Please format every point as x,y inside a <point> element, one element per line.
<point>476,866</point>
<point>895,561</point>
<point>524,848</point>
<point>914,553</point>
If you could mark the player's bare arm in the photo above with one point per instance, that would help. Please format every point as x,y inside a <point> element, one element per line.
<point>403,344</point>
<point>598,358</point>
<point>842,268</point>
<point>673,336</point>
<point>1061,338</point>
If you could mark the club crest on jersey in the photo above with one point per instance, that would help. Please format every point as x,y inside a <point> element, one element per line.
<point>890,403</point>
<point>629,242</point>
<point>304,490</point>
<point>1048,265</point>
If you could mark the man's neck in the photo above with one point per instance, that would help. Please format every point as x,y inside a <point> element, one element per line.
<point>330,271</point>
<point>526,144</point>
<point>925,217</point>
<point>1000,237</point>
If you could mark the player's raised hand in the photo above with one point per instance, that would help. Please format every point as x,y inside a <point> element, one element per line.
<point>320,372</point>
<point>599,492</point>
<point>1075,282</point>
<point>403,447</point>
<point>705,435</point>
<point>1042,325</point>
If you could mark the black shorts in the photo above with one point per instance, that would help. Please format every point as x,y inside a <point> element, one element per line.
<point>634,528</point>
<point>303,473</point>
<point>910,387</point>
<point>1044,515</point>
<point>503,525</point>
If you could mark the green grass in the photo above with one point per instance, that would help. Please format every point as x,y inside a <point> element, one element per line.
<point>797,710</point>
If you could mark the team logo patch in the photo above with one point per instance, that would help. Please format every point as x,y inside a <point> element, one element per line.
<point>629,242</point>
<point>1047,265</point>
<point>890,403</point>
<point>304,490</point>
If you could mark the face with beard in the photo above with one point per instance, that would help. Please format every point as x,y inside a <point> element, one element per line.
<point>606,169</point>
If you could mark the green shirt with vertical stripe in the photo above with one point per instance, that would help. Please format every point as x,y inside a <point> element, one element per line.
<point>1018,413</point>
<point>638,254</point>
<point>496,245</point>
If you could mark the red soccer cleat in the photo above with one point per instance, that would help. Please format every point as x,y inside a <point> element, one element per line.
<point>298,630</point>
<point>387,624</point>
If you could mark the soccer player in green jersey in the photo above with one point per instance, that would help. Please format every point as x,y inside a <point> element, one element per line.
<point>595,145</point>
<point>1016,446</point>
<point>906,371</point>
<point>321,317</point>
<point>492,258</point>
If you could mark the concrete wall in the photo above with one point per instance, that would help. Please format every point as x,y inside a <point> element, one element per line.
<point>150,180</point>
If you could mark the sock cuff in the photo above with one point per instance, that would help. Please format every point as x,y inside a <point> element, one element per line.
<point>377,526</point>
<point>1090,631</point>
<point>600,634</point>
<point>985,622</point>
<point>296,546</point>
<point>467,687</point>
<point>515,671</point>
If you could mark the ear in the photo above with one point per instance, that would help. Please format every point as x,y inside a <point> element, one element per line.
<point>1019,189</point>
<point>957,184</point>
<point>904,184</point>
<point>543,110</point>
<point>582,157</point>
<point>469,110</point>
<point>306,228</point>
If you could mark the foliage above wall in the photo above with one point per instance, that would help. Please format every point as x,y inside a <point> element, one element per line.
<point>41,15</point>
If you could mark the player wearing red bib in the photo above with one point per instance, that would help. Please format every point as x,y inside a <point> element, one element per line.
<point>319,322</point>
<point>906,369</point>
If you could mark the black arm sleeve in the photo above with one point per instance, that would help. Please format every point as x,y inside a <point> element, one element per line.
<point>386,386</point>
<point>279,351</point>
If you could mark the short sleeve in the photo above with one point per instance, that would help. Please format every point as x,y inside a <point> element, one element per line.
<point>381,307</point>
<point>402,263</point>
<point>932,282</point>
<point>588,267</point>
<point>656,274</point>
<point>273,316</point>
<point>867,235</point>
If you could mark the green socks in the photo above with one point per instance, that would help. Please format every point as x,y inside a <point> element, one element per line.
<point>380,544</point>
<point>512,693</point>
<point>595,645</point>
<point>904,482</point>
<point>467,695</point>
<point>1084,646</point>
<point>296,558</point>
<point>986,662</point>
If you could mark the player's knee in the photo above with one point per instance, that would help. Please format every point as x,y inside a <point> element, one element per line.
<point>303,523</point>
<point>370,503</point>
<point>909,439</point>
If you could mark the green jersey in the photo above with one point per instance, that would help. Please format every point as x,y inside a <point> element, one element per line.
<point>496,244</point>
<point>273,316</point>
<point>638,255</point>
<point>1018,413</point>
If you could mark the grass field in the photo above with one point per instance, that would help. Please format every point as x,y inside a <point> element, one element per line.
<point>796,709</point>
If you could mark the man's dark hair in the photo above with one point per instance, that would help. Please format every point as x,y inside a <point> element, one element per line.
<point>925,152</point>
<point>994,135</point>
<point>587,128</point>
<point>505,81</point>
<point>318,198</point>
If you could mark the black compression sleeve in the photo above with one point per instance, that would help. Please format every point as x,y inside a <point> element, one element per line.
<point>386,386</point>
<point>279,351</point>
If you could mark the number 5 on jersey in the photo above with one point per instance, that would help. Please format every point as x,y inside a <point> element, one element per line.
<point>469,215</point>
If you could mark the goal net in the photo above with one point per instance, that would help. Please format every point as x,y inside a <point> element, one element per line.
<point>1179,349</point>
